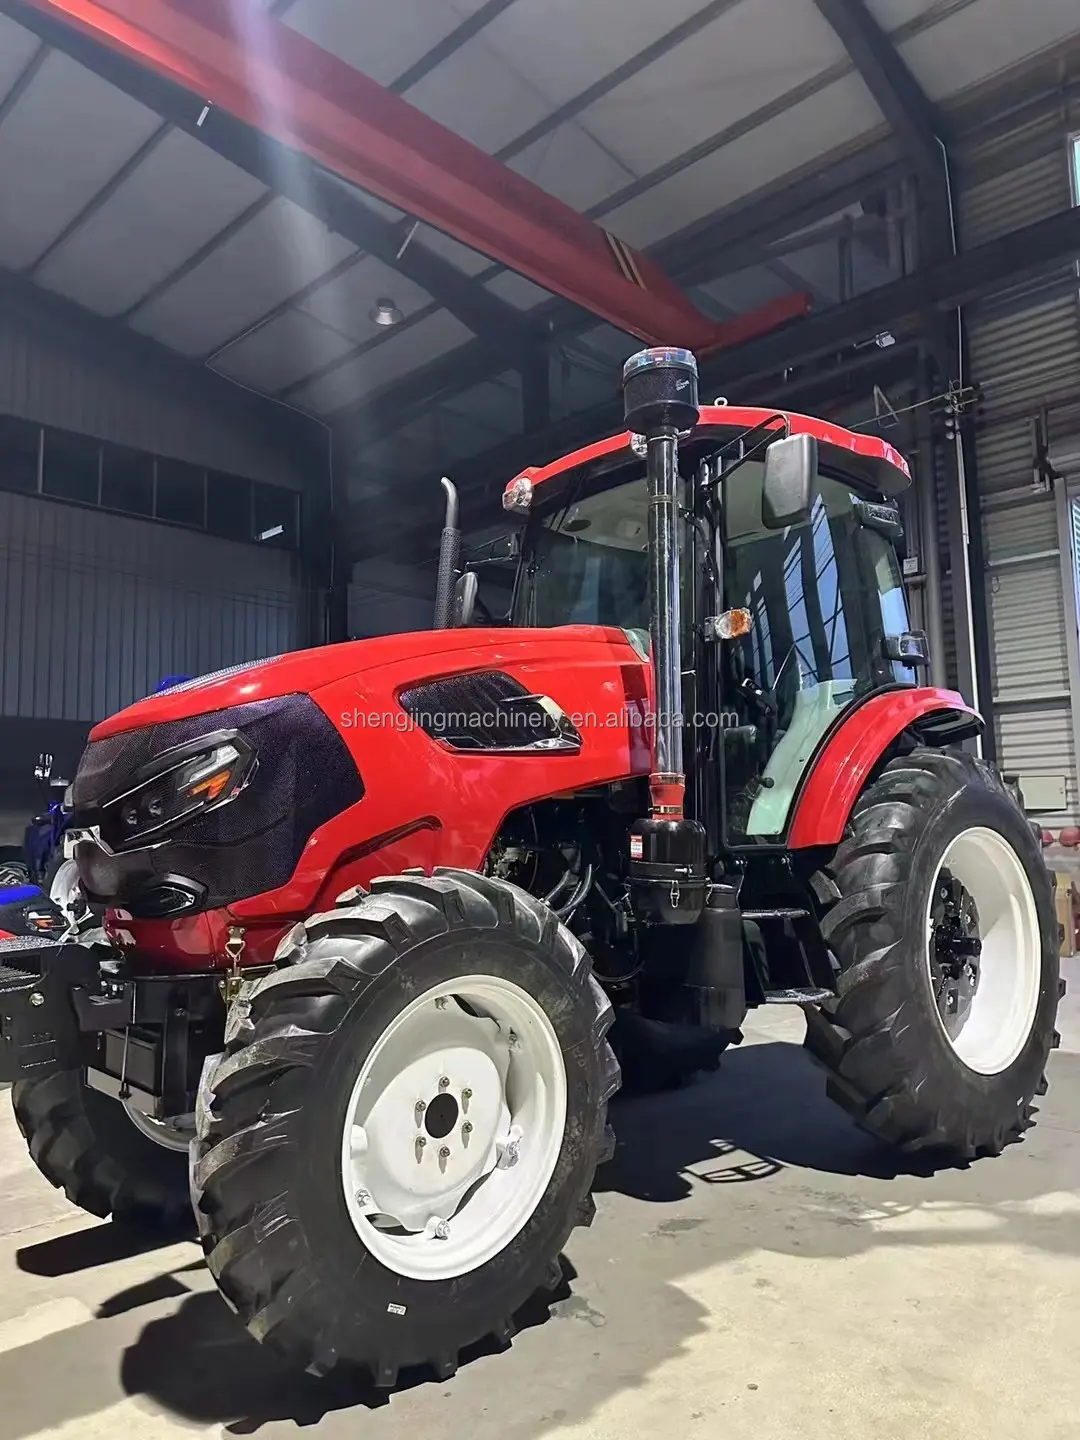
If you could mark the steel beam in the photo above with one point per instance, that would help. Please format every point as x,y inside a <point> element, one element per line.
<point>735,239</point>
<point>536,392</point>
<point>898,94</point>
<point>503,330</point>
<point>940,288</point>
<point>723,244</point>
<point>926,498</point>
<point>951,282</point>
<point>387,411</point>
<point>910,113</point>
<point>482,476</point>
<point>243,61</point>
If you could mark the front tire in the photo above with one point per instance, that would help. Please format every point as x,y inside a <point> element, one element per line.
<point>404,1126</point>
<point>945,934</point>
<point>87,1145</point>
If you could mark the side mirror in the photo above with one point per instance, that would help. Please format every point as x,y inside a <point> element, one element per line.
<point>790,467</point>
<point>464,599</point>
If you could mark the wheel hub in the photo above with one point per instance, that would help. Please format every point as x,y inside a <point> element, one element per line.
<point>955,951</point>
<point>174,1133</point>
<point>429,1125</point>
<point>451,1107</point>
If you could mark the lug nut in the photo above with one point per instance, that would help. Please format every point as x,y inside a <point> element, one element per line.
<point>444,1153</point>
<point>420,1143</point>
<point>36,998</point>
<point>442,1231</point>
<point>421,1106</point>
<point>444,1083</point>
<point>466,1129</point>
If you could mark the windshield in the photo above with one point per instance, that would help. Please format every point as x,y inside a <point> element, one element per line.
<point>822,596</point>
<point>587,562</point>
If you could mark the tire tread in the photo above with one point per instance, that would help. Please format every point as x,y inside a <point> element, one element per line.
<point>78,1159</point>
<point>257,1252</point>
<point>854,1038</point>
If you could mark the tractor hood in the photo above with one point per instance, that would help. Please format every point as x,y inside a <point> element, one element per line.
<point>302,672</point>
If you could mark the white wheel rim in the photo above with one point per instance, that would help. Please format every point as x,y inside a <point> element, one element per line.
<point>64,889</point>
<point>169,1134</point>
<point>1005,997</point>
<point>453,1128</point>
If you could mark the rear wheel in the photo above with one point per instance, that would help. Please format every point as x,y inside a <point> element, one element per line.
<point>106,1159</point>
<point>405,1125</point>
<point>947,942</point>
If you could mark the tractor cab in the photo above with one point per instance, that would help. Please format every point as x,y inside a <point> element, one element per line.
<point>789,617</point>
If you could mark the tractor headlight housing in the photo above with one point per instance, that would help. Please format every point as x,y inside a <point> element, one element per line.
<point>190,780</point>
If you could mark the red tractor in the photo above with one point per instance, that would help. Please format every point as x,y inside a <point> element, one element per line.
<point>386,917</point>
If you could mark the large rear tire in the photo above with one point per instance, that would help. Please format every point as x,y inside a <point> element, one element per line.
<point>88,1145</point>
<point>404,1127</point>
<point>945,934</point>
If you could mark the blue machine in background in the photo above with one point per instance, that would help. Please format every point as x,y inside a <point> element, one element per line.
<point>43,839</point>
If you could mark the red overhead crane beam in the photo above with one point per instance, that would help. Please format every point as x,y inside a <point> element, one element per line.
<point>232,54</point>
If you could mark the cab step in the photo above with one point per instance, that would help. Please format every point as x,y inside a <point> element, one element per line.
<point>801,995</point>
<point>781,912</point>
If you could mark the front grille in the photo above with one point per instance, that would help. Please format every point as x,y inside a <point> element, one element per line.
<point>304,777</point>
<point>487,710</point>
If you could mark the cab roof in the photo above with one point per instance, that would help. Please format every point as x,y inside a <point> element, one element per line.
<point>865,457</point>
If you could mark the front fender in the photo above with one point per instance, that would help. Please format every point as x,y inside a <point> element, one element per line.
<point>850,753</point>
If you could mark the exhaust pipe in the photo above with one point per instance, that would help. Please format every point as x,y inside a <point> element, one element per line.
<point>667,851</point>
<point>449,553</point>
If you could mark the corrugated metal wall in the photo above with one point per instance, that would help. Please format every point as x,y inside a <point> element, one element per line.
<point>1024,355</point>
<point>96,609</point>
<point>54,372</point>
<point>386,598</point>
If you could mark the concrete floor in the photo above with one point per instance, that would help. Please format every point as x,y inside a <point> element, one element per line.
<point>758,1268</point>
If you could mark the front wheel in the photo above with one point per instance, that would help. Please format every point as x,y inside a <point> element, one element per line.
<point>404,1127</point>
<point>945,934</point>
<point>106,1157</point>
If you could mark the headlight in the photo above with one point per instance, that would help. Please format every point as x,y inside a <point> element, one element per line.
<point>191,781</point>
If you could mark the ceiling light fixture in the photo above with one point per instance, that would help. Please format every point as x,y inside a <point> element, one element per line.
<point>385,312</point>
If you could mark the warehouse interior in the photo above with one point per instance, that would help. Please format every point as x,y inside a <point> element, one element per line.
<point>179,304</point>
<point>232,377</point>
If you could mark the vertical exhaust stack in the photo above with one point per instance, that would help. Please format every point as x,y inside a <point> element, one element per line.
<point>667,851</point>
<point>449,553</point>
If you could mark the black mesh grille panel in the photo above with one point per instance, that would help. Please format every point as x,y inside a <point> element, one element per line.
<point>304,776</point>
<point>487,711</point>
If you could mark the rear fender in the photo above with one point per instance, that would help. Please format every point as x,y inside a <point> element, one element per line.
<point>843,765</point>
